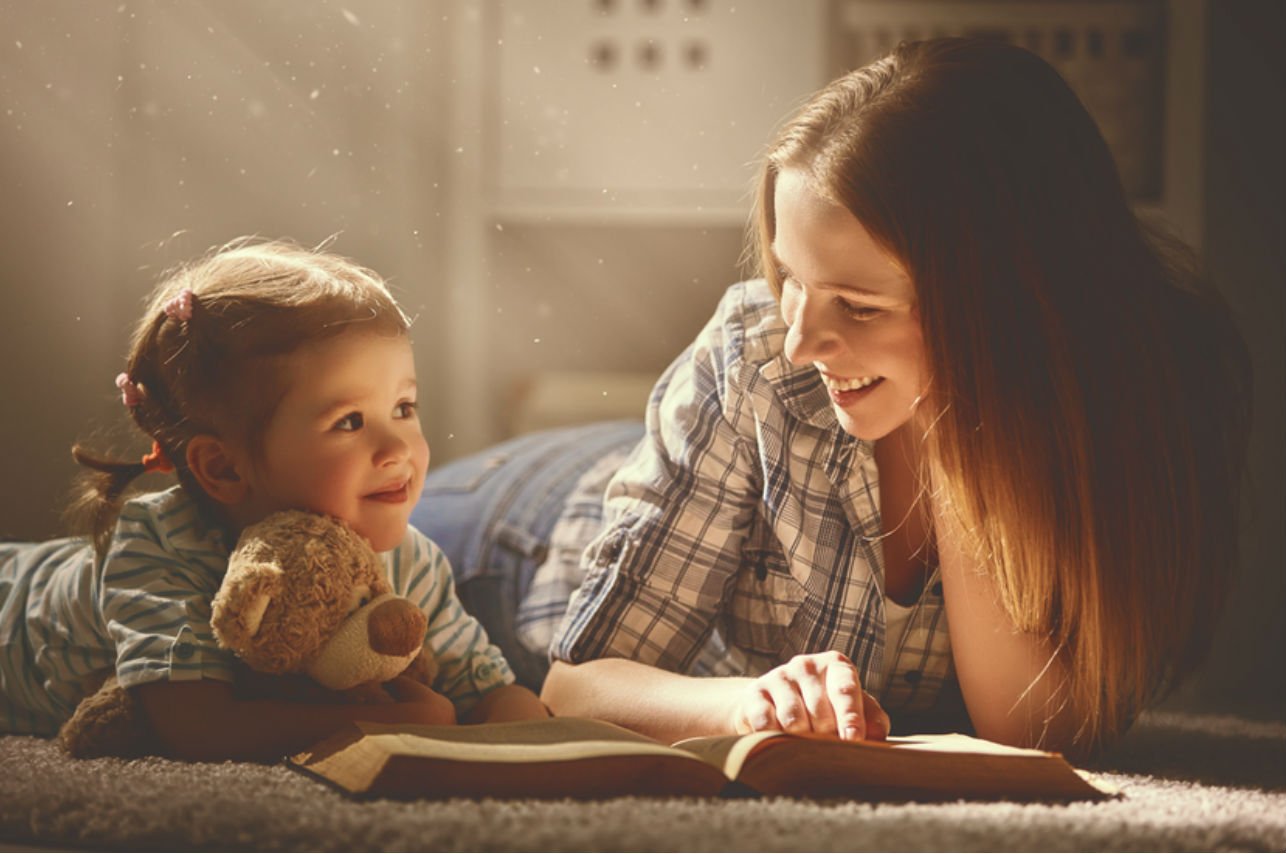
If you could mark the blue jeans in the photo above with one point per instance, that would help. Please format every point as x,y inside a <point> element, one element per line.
<point>491,514</point>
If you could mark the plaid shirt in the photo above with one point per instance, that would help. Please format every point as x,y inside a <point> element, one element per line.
<point>746,525</point>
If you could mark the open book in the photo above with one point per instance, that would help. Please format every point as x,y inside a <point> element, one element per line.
<point>580,758</point>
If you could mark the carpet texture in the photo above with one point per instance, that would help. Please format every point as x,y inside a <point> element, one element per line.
<point>1189,783</point>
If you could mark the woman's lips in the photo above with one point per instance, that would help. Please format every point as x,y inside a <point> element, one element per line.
<point>846,391</point>
<point>847,398</point>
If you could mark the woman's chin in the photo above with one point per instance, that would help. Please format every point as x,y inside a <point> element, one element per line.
<point>866,429</point>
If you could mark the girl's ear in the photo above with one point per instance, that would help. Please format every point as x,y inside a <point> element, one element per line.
<point>217,469</point>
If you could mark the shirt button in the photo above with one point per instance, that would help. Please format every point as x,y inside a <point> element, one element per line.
<point>184,650</point>
<point>912,676</point>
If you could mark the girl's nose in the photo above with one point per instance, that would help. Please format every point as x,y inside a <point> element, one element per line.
<point>809,334</point>
<point>391,448</point>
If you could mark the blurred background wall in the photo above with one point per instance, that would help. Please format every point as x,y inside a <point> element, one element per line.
<point>558,189</point>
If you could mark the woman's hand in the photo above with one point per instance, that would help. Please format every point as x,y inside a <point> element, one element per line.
<point>817,694</point>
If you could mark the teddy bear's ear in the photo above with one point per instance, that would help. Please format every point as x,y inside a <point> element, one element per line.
<point>240,604</point>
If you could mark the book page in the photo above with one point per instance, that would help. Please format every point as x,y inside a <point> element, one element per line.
<point>920,767</point>
<point>552,758</point>
<point>727,752</point>
<point>730,752</point>
<point>552,739</point>
<point>956,743</point>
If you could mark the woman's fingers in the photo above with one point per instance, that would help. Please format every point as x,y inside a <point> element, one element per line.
<point>757,712</point>
<point>788,703</point>
<point>820,694</point>
<point>810,679</point>
<point>844,691</point>
<point>877,720</point>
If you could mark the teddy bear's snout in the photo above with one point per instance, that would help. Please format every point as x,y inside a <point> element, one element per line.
<point>396,627</point>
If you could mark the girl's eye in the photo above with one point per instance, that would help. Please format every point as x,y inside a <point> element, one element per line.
<point>407,408</point>
<point>350,423</point>
<point>858,312</point>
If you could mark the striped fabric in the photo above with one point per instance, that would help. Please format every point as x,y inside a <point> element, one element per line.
<point>145,611</point>
<point>746,519</point>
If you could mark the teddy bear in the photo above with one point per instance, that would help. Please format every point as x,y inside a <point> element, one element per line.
<point>303,594</point>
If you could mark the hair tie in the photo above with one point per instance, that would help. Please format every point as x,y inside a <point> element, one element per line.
<point>131,394</point>
<point>180,307</point>
<point>156,460</point>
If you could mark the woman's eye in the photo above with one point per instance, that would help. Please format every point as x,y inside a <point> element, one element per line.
<point>407,409</point>
<point>858,312</point>
<point>350,423</point>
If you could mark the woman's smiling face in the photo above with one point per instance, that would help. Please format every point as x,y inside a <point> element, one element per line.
<point>850,309</point>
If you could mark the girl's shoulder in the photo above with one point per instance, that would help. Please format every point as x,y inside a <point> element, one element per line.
<point>414,563</point>
<point>173,520</point>
<point>166,502</point>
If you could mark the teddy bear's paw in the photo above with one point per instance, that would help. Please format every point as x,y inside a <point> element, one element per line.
<point>108,722</point>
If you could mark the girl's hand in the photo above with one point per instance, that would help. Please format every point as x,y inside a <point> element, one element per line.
<point>817,694</point>
<point>422,703</point>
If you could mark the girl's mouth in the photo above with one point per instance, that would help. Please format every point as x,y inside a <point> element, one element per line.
<point>392,495</point>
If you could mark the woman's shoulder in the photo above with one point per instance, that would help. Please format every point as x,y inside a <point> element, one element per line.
<point>749,319</point>
<point>749,329</point>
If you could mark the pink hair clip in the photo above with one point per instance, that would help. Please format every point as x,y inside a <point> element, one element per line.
<point>180,307</point>
<point>131,395</point>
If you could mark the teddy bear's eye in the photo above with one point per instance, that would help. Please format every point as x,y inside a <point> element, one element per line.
<point>359,597</point>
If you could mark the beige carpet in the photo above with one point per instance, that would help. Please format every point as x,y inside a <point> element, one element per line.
<point>1190,783</point>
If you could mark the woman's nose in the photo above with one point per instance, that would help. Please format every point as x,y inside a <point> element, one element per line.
<point>809,336</point>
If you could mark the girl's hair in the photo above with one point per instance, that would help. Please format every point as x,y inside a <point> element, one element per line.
<point>215,372</point>
<point>1087,410</point>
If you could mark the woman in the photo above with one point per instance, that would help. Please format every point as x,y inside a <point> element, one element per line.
<point>974,427</point>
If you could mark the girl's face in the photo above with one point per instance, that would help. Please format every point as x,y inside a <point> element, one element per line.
<point>850,309</point>
<point>345,439</point>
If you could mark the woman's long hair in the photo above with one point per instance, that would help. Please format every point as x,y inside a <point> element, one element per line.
<point>1087,410</point>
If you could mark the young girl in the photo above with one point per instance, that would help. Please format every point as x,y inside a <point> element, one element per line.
<point>267,377</point>
<point>972,445</point>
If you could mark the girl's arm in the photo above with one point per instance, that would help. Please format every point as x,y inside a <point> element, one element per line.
<point>818,694</point>
<point>202,720</point>
<point>1009,678</point>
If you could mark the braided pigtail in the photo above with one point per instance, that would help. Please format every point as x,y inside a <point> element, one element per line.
<point>98,493</point>
<point>101,489</point>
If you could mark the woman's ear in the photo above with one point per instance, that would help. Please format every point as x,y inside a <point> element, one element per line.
<point>217,469</point>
